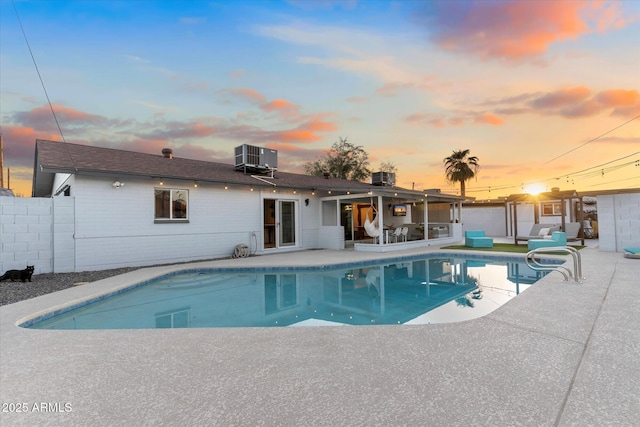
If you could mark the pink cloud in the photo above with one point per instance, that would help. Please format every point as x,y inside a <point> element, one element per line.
<point>305,133</point>
<point>571,102</point>
<point>516,30</point>
<point>42,118</point>
<point>489,119</point>
<point>178,130</point>
<point>247,94</point>
<point>19,144</point>
<point>562,97</point>
<point>278,104</point>
<point>286,109</point>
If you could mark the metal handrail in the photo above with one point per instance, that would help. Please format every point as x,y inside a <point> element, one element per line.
<point>535,264</point>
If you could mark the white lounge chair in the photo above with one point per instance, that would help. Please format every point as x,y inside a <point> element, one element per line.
<point>538,231</point>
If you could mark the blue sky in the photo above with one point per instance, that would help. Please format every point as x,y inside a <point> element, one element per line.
<point>524,85</point>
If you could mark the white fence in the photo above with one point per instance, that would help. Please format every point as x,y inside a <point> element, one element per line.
<point>37,232</point>
<point>618,221</point>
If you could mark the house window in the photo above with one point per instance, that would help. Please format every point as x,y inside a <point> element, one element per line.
<point>171,204</point>
<point>552,208</point>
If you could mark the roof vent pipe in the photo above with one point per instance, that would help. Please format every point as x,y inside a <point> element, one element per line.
<point>167,152</point>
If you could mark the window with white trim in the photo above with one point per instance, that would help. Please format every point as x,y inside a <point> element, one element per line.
<point>552,209</point>
<point>171,204</point>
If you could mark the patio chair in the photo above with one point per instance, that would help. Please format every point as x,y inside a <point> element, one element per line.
<point>404,232</point>
<point>633,253</point>
<point>558,238</point>
<point>396,234</point>
<point>477,239</point>
<point>572,229</point>
<point>538,231</point>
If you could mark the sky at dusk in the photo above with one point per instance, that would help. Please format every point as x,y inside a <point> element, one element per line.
<point>542,92</point>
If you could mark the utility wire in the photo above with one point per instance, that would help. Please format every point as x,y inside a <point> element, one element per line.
<point>38,71</point>
<point>600,165</point>
<point>595,170</point>
<point>592,140</point>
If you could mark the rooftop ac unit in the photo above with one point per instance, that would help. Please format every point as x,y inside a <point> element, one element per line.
<point>255,159</point>
<point>387,179</point>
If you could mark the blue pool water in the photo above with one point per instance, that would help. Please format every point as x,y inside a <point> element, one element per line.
<point>431,289</point>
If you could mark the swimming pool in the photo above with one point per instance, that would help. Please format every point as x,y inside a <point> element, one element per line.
<point>428,289</point>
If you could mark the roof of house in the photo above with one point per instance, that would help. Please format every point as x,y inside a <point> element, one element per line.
<point>53,157</point>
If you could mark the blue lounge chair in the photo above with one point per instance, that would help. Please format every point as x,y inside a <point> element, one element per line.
<point>477,239</point>
<point>558,238</point>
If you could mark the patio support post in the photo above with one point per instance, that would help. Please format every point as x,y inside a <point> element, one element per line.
<point>515,222</point>
<point>425,227</point>
<point>506,218</point>
<point>581,222</point>
<point>380,221</point>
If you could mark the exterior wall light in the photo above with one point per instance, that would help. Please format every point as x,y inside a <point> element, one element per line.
<point>117,184</point>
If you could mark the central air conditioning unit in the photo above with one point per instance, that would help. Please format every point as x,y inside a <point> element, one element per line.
<point>386,179</point>
<point>249,158</point>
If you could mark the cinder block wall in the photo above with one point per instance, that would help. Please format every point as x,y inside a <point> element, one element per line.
<point>618,221</point>
<point>28,229</point>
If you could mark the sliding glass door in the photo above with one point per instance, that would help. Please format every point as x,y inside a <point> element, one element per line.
<point>279,222</point>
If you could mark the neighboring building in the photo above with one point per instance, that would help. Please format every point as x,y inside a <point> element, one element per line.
<point>130,209</point>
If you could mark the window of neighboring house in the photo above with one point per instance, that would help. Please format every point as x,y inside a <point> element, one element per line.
<point>551,209</point>
<point>171,204</point>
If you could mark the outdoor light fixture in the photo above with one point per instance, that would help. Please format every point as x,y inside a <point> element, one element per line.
<point>117,184</point>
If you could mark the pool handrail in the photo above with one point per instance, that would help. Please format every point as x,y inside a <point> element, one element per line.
<point>536,265</point>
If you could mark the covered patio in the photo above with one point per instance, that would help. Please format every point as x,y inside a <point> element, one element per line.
<point>554,207</point>
<point>369,221</point>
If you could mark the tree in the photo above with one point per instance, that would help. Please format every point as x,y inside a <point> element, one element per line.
<point>344,161</point>
<point>460,167</point>
<point>388,167</point>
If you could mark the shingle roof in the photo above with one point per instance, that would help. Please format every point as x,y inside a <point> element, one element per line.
<point>57,157</point>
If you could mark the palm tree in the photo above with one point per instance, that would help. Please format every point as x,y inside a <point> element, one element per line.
<point>460,167</point>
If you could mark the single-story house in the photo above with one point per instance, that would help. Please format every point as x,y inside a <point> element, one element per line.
<point>132,209</point>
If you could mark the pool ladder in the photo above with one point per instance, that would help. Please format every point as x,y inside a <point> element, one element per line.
<point>536,265</point>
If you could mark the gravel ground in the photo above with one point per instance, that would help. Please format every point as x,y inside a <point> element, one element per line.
<point>41,284</point>
<point>46,283</point>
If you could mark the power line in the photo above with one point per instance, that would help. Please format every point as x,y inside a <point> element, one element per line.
<point>587,173</point>
<point>600,165</point>
<point>38,71</point>
<point>592,140</point>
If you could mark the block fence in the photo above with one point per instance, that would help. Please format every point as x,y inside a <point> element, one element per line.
<point>618,221</point>
<point>38,232</point>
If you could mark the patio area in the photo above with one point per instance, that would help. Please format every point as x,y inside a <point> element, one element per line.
<point>561,354</point>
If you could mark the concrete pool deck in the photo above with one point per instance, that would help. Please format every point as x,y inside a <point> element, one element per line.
<point>560,353</point>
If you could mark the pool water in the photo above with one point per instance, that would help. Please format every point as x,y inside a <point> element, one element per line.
<point>432,289</point>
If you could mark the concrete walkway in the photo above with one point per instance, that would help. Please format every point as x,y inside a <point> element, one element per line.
<point>561,353</point>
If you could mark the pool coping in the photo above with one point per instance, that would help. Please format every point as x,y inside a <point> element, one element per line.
<point>559,347</point>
